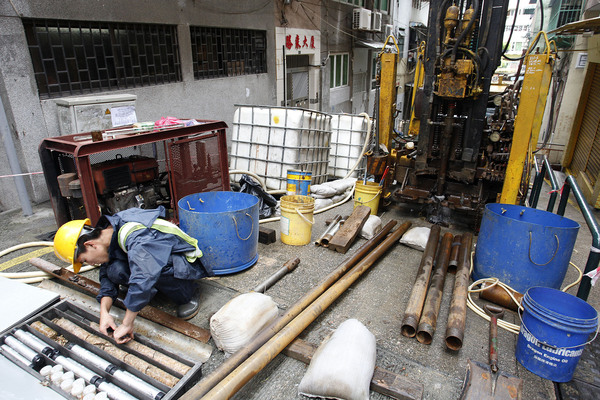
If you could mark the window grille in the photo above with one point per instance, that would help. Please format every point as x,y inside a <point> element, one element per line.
<point>222,52</point>
<point>79,57</point>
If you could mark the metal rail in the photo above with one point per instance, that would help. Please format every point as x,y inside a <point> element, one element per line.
<point>538,182</point>
<point>569,186</point>
<point>594,257</point>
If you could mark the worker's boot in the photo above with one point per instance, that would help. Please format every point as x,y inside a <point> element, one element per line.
<point>188,310</point>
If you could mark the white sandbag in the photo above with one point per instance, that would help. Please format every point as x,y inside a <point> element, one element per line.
<point>322,203</point>
<point>330,189</point>
<point>322,191</point>
<point>341,185</point>
<point>416,237</point>
<point>371,227</point>
<point>343,365</point>
<point>240,320</point>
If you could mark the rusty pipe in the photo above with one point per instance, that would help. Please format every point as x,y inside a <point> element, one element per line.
<point>431,308</point>
<point>412,313</point>
<point>455,329</point>
<point>257,361</point>
<point>206,384</point>
<point>454,254</point>
<point>148,312</point>
<point>326,239</point>
<point>499,296</point>
<point>289,266</point>
<point>331,226</point>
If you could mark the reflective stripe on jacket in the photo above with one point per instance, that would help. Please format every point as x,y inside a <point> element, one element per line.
<point>164,227</point>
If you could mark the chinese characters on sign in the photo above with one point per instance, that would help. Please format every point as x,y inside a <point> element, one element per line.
<point>299,42</point>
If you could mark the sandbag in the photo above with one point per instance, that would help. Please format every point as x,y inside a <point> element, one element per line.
<point>332,188</point>
<point>371,227</point>
<point>343,365</point>
<point>416,237</point>
<point>240,320</point>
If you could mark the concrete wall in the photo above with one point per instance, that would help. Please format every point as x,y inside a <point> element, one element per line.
<point>32,119</point>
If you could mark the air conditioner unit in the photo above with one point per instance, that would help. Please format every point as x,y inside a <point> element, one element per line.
<point>389,30</point>
<point>376,22</point>
<point>361,19</point>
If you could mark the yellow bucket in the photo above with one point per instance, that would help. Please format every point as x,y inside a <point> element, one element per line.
<point>367,195</point>
<point>297,219</point>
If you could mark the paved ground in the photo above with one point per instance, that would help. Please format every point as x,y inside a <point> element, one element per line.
<point>378,299</point>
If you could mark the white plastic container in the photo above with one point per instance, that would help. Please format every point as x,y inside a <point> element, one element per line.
<point>269,141</point>
<point>348,135</point>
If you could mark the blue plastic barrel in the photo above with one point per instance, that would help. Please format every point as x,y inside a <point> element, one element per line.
<point>226,227</point>
<point>556,327</point>
<point>524,247</point>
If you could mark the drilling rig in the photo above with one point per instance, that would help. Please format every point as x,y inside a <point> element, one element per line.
<point>458,160</point>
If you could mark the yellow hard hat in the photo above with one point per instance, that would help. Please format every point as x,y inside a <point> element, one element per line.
<point>65,241</point>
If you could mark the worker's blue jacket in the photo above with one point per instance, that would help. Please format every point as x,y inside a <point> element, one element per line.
<point>151,255</point>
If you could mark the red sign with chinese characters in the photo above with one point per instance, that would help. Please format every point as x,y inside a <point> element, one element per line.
<point>299,42</point>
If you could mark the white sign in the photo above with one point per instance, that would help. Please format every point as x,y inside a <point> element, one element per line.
<point>124,115</point>
<point>581,60</point>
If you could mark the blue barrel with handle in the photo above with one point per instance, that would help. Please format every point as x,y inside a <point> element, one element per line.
<point>226,227</point>
<point>524,247</point>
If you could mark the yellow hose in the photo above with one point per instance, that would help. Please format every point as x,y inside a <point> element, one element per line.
<point>33,276</point>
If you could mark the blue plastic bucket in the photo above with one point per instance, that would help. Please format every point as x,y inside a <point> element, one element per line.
<point>556,327</point>
<point>226,227</point>
<point>524,247</point>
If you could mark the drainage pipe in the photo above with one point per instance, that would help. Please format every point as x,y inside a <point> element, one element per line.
<point>239,356</point>
<point>257,361</point>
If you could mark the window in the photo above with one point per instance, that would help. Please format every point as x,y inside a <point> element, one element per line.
<point>221,52</point>
<point>79,57</point>
<point>529,11</point>
<point>339,68</point>
<point>381,5</point>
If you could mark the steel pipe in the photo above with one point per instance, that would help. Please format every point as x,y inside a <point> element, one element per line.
<point>206,384</point>
<point>454,254</point>
<point>457,317</point>
<point>331,226</point>
<point>431,308</point>
<point>413,310</point>
<point>257,361</point>
<point>289,266</point>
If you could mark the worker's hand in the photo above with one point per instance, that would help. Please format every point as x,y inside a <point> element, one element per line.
<point>107,322</point>
<point>123,334</point>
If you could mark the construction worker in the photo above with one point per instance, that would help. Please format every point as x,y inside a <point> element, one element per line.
<point>138,249</point>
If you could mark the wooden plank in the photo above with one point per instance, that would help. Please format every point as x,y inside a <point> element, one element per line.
<point>266,235</point>
<point>383,381</point>
<point>343,239</point>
